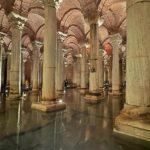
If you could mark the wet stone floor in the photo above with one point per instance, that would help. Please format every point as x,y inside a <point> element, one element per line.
<point>80,127</point>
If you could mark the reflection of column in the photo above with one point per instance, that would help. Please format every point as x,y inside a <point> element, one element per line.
<point>35,67</point>
<point>115,42</point>
<point>48,86</point>
<point>17,23</point>
<point>134,118</point>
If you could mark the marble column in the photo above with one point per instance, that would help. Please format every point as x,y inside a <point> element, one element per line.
<point>115,41</point>
<point>35,67</point>
<point>78,75</point>
<point>83,70</point>
<point>1,60</point>
<point>8,67</point>
<point>59,65</point>
<point>100,69</point>
<point>94,93</point>
<point>23,72</point>
<point>93,81</point>
<point>49,102</point>
<point>134,118</point>
<point>40,72</point>
<point>17,23</point>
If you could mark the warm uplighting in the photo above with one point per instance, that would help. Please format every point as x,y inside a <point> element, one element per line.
<point>100,22</point>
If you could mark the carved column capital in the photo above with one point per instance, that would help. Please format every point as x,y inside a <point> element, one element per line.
<point>61,37</point>
<point>16,20</point>
<point>115,39</point>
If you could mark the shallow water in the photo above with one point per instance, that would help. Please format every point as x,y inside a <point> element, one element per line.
<point>80,127</point>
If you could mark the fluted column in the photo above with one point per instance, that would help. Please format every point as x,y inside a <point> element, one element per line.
<point>17,24</point>
<point>35,67</point>
<point>134,118</point>
<point>48,102</point>
<point>115,42</point>
<point>59,65</point>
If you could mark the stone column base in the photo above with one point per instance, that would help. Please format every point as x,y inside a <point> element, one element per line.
<point>115,93</point>
<point>92,98</point>
<point>134,121</point>
<point>48,106</point>
<point>13,97</point>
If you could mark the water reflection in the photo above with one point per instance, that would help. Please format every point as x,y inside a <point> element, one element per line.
<point>80,127</point>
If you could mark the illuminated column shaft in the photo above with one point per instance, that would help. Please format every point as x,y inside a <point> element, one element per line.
<point>35,67</point>
<point>83,68</point>
<point>8,67</point>
<point>115,41</point>
<point>59,64</point>
<point>17,23</point>
<point>93,81</point>
<point>100,68</point>
<point>78,71</point>
<point>48,87</point>
<point>133,119</point>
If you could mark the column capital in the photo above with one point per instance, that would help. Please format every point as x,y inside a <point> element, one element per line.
<point>16,20</point>
<point>2,35</point>
<point>61,36</point>
<point>37,43</point>
<point>115,39</point>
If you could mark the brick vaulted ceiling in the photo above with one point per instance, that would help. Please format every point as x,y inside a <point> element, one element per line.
<point>71,16</point>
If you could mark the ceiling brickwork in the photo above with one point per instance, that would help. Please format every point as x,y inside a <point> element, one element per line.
<point>71,19</point>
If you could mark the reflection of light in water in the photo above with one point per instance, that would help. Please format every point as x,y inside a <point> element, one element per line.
<point>18,124</point>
